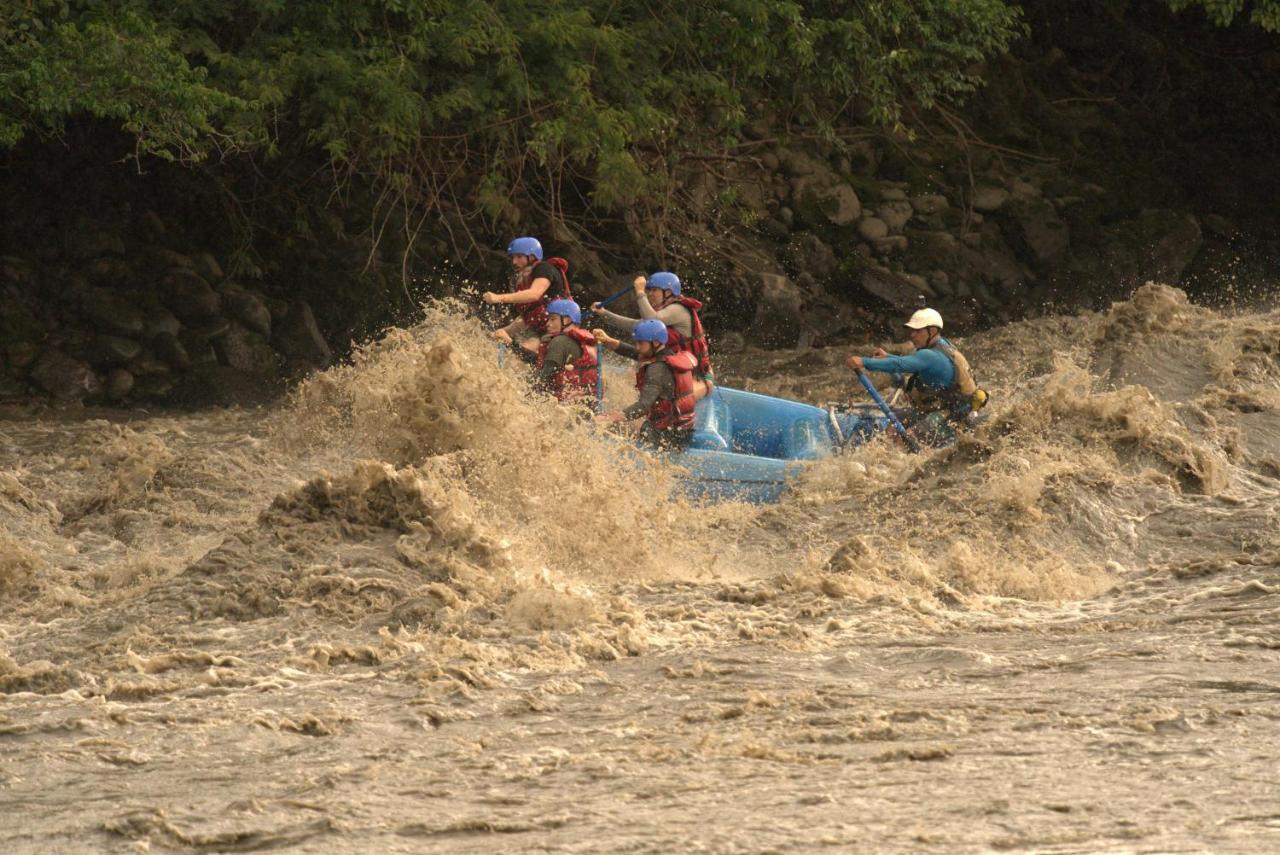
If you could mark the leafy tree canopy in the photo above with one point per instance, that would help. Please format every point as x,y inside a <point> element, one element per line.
<point>510,90</point>
<point>1263,13</point>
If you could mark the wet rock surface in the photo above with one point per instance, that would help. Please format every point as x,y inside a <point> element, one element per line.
<point>126,321</point>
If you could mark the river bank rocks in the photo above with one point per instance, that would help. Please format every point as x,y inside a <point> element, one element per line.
<point>116,319</point>
<point>842,235</point>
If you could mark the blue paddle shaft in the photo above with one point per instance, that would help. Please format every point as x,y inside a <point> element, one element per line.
<point>884,408</point>
<point>607,300</point>
<point>599,377</point>
<point>587,315</point>
<point>612,297</point>
<point>599,355</point>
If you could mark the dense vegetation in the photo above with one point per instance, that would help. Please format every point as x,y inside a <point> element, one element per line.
<point>478,111</point>
<point>433,127</point>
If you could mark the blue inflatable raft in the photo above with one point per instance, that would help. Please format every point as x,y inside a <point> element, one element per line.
<point>747,446</point>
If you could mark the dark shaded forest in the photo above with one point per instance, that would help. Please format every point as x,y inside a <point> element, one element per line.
<point>264,182</point>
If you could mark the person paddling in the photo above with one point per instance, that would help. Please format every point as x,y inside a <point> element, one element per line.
<point>536,284</point>
<point>663,412</point>
<point>936,377</point>
<point>566,358</point>
<point>659,298</point>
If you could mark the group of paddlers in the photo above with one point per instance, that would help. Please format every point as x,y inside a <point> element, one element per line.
<point>670,346</point>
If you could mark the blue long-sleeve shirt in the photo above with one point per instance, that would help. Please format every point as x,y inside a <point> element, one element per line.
<point>932,366</point>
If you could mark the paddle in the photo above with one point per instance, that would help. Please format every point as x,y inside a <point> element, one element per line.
<point>600,349</point>
<point>607,300</point>
<point>912,445</point>
<point>599,378</point>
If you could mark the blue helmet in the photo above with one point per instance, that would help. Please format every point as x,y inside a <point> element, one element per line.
<point>664,281</point>
<point>565,308</point>
<point>525,246</point>
<point>650,330</point>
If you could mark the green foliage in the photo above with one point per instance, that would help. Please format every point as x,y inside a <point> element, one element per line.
<point>122,67</point>
<point>483,108</point>
<point>1262,13</point>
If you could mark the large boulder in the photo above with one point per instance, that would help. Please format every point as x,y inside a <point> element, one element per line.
<point>810,254</point>
<point>189,296</point>
<point>170,349</point>
<point>1158,244</point>
<point>113,350</point>
<point>119,384</point>
<point>153,387</point>
<point>207,266</point>
<point>298,337</point>
<point>249,310</point>
<point>819,195</point>
<point>824,199</point>
<point>1174,240</point>
<point>145,364</point>
<point>929,203</point>
<point>220,385</point>
<point>894,288</point>
<point>779,311</point>
<point>247,351</point>
<point>993,264</point>
<point>160,322</point>
<point>895,214</point>
<point>989,199</point>
<point>799,164</point>
<point>1035,227</point>
<point>111,313</point>
<point>199,347</point>
<point>64,377</point>
<point>873,228</point>
<point>891,245</point>
<point>207,330</point>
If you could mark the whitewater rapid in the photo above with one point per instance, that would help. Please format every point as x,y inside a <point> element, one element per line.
<point>415,607</point>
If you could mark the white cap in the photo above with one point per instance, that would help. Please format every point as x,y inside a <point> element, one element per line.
<point>924,318</point>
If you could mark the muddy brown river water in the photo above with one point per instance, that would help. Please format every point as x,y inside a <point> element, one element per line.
<point>416,609</point>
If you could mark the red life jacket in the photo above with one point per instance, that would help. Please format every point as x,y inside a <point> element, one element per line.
<point>577,380</point>
<point>674,413</point>
<point>534,314</point>
<point>696,343</point>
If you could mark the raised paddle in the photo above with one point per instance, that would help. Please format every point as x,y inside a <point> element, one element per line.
<point>607,300</point>
<point>912,445</point>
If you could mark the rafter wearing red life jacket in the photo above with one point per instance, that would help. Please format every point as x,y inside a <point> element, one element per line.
<point>675,413</point>
<point>695,342</point>
<point>577,380</point>
<point>534,315</point>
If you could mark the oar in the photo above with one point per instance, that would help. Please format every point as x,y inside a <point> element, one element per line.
<point>600,350</point>
<point>599,378</point>
<point>912,445</point>
<point>607,300</point>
